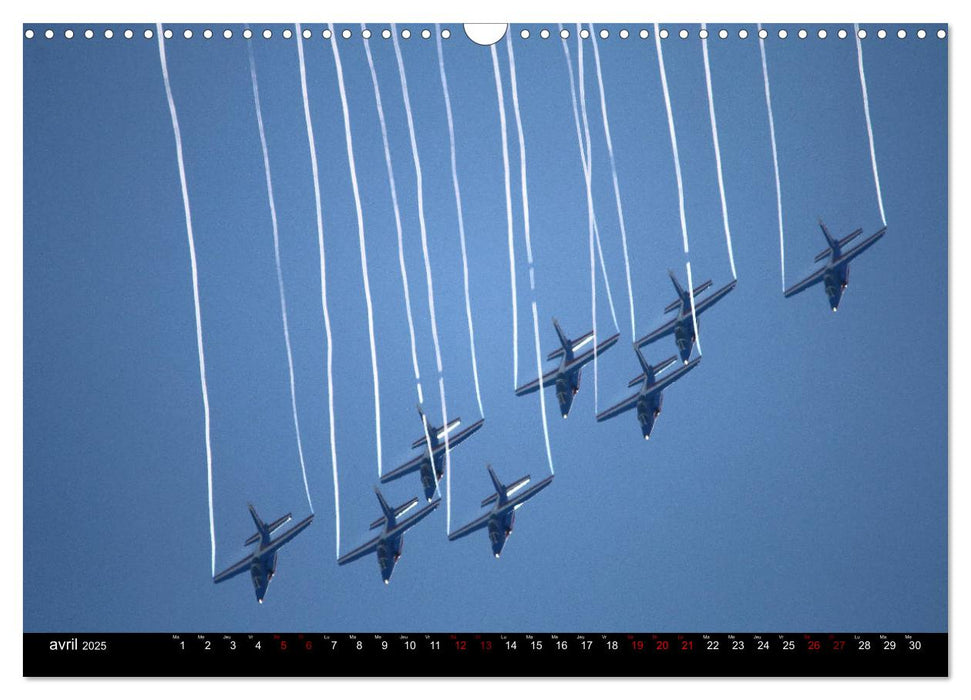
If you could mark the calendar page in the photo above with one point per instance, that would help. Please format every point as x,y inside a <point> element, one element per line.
<point>567,309</point>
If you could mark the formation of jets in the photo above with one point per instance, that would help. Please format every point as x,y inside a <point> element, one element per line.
<point>573,355</point>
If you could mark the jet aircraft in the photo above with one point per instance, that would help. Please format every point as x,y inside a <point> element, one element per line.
<point>433,453</point>
<point>506,501</point>
<point>649,398</point>
<point>682,325</point>
<point>262,562</point>
<point>566,377</point>
<point>390,542</point>
<point>835,275</point>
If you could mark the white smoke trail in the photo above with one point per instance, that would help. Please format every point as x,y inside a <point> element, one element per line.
<point>424,246</point>
<point>677,172</point>
<point>279,268</point>
<point>613,170</point>
<point>323,285</point>
<point>586,155</point>
<point>360,237</point>
<point>195,281</point>
<point>512,250</point>
<point>529,245</point>
<point>458,207</point>
<point>586,161</point>
<point>397,221</point>
<point>718,155</point>
<point>775,158</point>
<point>869,126</point>
<point>586,164</point>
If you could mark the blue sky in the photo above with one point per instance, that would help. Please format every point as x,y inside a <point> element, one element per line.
<point>796,480</point>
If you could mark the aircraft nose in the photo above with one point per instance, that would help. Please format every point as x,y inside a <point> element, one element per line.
<point>386,582</point>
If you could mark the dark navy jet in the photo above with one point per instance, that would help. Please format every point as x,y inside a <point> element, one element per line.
<point>389,544</point>
<point>835,276</point>
<point>506,501</point>
<point>682,325</point>
<point>566,377</point>
<point>433,453</point>
<point>648,399</point>
<point>262,563</point>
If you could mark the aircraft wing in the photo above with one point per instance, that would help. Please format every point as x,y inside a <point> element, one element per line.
<point>549,379</point>
<point>814,278</point>
<point>615,410</point>
<point>462,435</point>
<point>849,255</point>
<point>674,376</point>
<point>660,332</point>
<point>710,300</point>
<point>414,518</point>
<point>236,569</point>
<point>526,494</point>
<point>412,465</point>
<point>288,535</point>
<point>476,524</point>
<point>368,547</point>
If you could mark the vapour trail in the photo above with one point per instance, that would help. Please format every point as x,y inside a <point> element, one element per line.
<point>397,221</point>
<point>586,164</point>
<point>323,286</point>
<point>718,155</point>
<point>461,219</point>
<point>279,268</point>
<point>529,245</point>
<point>586,155</point>
<point>361,243</point>
<point>586,161</point>
<point>424,250</point>
<point>613,170</point>
<point>512,250</point>
<point>869,126</point>
<point>677,172</point>
<point>775,158</point>
<point>195,281</point>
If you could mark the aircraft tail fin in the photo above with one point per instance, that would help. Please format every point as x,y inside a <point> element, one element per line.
<point>833,245</point>
<point>825,229</point>
<point>498,485</point>
<point>388,510</point>
<point>427,429</point>
<point>645,366</point>
<point>677,285</point>
<point>260,525</point>
<point>565,343</point>
<point>262,530</point>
